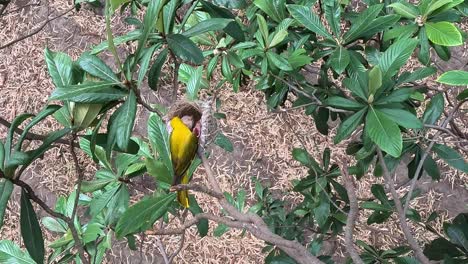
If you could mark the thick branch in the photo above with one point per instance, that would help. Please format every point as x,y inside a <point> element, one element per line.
<point>352,215</point>
<point>401,216</point>
<point>255,224</point>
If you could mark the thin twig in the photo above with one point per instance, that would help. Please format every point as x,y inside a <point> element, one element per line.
<point>175,80</point>
<point>197,188</point>
<point>401,216</point>
<point>182,239</point>
<point>43,205</point>
<point>424,156</point>
<point>143,103</point>
<point>29,135</point>
<point>352,215</point>
<point>34,32</point>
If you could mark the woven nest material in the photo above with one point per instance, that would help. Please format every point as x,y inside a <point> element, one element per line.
<point>200,111</point>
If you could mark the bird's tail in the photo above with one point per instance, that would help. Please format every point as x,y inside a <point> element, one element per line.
<point>182,196</point>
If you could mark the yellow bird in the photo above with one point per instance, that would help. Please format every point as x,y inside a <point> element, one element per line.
<point>184,144</point>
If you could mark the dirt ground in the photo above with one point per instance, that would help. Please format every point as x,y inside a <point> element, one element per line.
<point>262,143</point>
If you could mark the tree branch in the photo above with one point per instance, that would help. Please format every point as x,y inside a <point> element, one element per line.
<point>34,32</point>
<point>424,156</point>
<point>401,216</point>
<point>43,205</point>
<point>352,215</point>
<point>175,80</point>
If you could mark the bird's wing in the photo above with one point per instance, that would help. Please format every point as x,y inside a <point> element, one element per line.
<point>183,149</point>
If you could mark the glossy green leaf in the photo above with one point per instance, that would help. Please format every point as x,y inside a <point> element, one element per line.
<point>130,36</point>
<point>339,59</point>
<point>332,11</point>
<point>455,77</point>
<point>431,168</point>
<point>233,28</point>
<point>397,96</point>
<point>144,63</point>
<point>60,67</point>
<point>195,209</point>
<point>384,132</point>
<point>184,48</point>
<point>416,75</point>
<point>344,103</point>
<point>363,20</point>
<point>224,142</point>
<point>443,33</point>
<point>405,9</point>
<point>375,79</point>
<point>54,225</point>
<point>159,138</point>
<point>438,248</point>
<point>31,230</point>
<point>273,8</point>
<point>212,24</point>
<point>452,157</point>
<point>194,83</point>
<point>10,253</point>
<point>310,20</point>
<point>279,61</point>
<point>434,109</point>
<point>349,125</point>
<point>402,117</point>
<point>424,54</point>
<point>143,214</point>
<point>155,71</point>
<point>6,188</point>
<point>96,92</point>
<point>121,123</point>
<point>98,68</point>
<point>396,56</point>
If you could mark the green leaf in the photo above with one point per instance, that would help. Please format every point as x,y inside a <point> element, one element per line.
<point>60,67</point>
<point>184,48</point>
<point>305,159</point>
<point>424,54</point>
<point>310,20</point>
<point>117,3</point>
<point>202,224</point>
<point>143,214</point>
<point>405,9</point>
<point>92,186</point>
<point>416,75</point>
<point>362,22</point>
<point>149,22</point>
<point>322,211</point>
<point>96,92</point>
<point>339,59</point>
<point>375,79</point>
<point>96,67</point>
<point>333,14</point>
<point>48,110</point>
<point>100,202</point>
<point>402,118</point>
<point>2,156</point>
<point>397,96</point>
<point>159,171</point>
<point>144,63</point>
<point>273,8</point>
<point>355,87</point>
<point>10,253</point>
<point>453,158</point>
<point>155,71</point>
<point>462,95</point>
<point>6,188</point>
<point>459,78</point>
<point>376,206</point>
<point>348,126</point>
<point>194,83</point>
<point>278,37</point>
<point>31,230</point>
<point>384,132</point>
<point>121,123</point>
<point>430,166</point>
<point>130,36</point>
<point>159,138</point>
<point>54,225</point>
<point>212,24</point>
<point>440,247</point>
<point>279,61</point>
<point>263,28</point>
<point>434,109</point>
<point>396,56</point>
<point>443,33</point>
<point>344,103</point>
<point>224,142</point>
<point>233,28</point>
